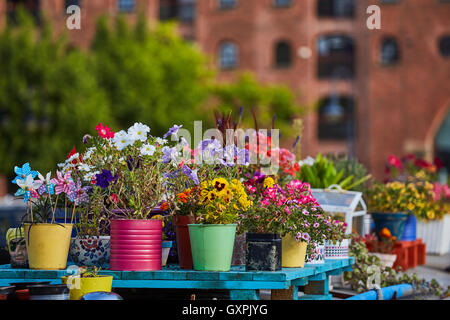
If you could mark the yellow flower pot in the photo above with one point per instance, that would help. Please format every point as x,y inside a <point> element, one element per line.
<point>80,286</point>
<point>293,252</point>
<point>48,245</point>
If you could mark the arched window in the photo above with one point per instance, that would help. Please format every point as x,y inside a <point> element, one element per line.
<point>228,55</point>
<point>336,55</point>
<point>336,118</point>
<point>283,54</point>
<point>336,8</point>
<point>444,46</point>
<point>33,7</point>
<point>389,51</point>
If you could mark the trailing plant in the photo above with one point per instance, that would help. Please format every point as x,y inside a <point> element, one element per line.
<point>368,267</point>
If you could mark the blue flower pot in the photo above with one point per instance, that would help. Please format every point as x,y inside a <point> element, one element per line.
<point>409,231</point>
<point>395,222</point>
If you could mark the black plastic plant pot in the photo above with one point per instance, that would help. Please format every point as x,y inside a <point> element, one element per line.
<point>49,292</point>
<point>263,252</point>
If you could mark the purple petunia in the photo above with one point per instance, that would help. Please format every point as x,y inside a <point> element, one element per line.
<point>192,174</point>
<point>172,131</point>
<point>133,163</point>
<point>105,178</point>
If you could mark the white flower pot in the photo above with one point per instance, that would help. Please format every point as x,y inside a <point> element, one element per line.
<point>318,257</point>
<point>435,234</point>
<point>339,250</point>
<point>386,258</point>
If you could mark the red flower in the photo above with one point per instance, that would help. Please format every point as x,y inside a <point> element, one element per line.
<point>438,163</point>
<point>394,161</point>
<point>114,198</point>
<point>104,131</point>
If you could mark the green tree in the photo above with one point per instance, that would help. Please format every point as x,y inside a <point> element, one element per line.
<point>150,75</point>
<point>48,97</point>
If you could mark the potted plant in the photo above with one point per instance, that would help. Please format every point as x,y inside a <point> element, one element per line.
<point>212,238</point>
<point>47,241</point>
<point>305,225</point>
<point>382,246</point>
<point>263,225</point>
<point>85,281</point>
<point>393,202</point>
<point>128,174</point>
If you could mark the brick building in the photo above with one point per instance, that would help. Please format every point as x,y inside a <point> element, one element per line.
<point>377,92</point>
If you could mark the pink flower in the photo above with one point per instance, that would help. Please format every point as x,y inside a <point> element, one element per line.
<point>394,162</point>
<point>114,198</point>
<point>288,211</point>
<point>104,131</point>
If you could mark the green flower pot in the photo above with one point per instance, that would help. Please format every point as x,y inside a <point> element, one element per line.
<point>212,246</point>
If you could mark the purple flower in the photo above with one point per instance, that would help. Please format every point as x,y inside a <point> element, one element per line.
<point>316,225</point>
<point>305,212</point>
<point>133,163</point>
<point>192,174</point>
<point>172,130</point>
<point>105,178</point>
<point>85,138</point>
<point>169,154</point>
<point>306,236</point>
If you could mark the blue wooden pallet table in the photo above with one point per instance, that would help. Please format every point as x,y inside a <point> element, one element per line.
<point>243,285</point>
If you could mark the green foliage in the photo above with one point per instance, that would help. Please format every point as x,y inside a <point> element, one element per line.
<point>352,167</point>
<point>323,173</point>
<point>366,265</point>
<point>47,95</point>
<point>151,76</point>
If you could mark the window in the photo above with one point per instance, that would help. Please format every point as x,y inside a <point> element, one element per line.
<point>227,4</point>
<point>335,57</point>
<point>336,118</point>
<point>186,10</point>
<point>283,55</point>
<point>336,8</point>
<point>32,6</point>
<point>442,142</point>
<point>71,3</point>
<point>126,5</point>
<point>444,46</point>
<point>228,55</point>
<point>167,9</point>
<point>282,3</point>
<point>389,52</point>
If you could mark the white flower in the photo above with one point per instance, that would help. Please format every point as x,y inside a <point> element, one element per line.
<point>148,150</point>
<point>90,175</point>
<point>161,141</point>
<point>85,167</point>
<point>138,132</point>
<point>309,161</point>
<point>88,153</point>
<point>122,140</point>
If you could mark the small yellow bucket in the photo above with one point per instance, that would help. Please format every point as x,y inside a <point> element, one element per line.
<point>80,286</point>
<point>48,245</point>
<point>293,252</point>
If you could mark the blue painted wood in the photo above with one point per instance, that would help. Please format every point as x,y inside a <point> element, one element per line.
<point>315,297</point>
<point>199,284</point>
<point>171,276</point>
<point>244,295</point>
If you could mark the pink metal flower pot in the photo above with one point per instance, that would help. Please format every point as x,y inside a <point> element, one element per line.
<point>136,245</point>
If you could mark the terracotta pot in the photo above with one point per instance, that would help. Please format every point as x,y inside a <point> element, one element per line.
<point>135,245</point>
<point>183,240</point>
